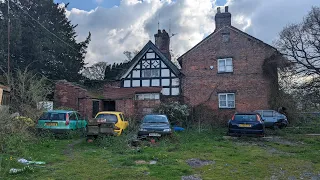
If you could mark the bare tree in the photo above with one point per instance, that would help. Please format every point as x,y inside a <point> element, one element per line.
<point>300,43</point>
<point>96,71</point>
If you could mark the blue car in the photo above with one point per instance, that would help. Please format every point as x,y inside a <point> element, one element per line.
<point>246,124</point>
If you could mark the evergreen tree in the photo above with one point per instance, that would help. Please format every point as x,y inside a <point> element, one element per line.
<point>42,39</point>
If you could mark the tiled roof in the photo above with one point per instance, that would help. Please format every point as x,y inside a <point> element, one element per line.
<point>114,93</point>
<point>148,46</point>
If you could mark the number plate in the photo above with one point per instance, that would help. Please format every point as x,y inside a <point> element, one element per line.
<point>51,124</point>
<point>155,134</point>
<point>244,125</point>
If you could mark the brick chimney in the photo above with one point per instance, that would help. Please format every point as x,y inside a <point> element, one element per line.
<point>222,18</point>
<point>162,41</point>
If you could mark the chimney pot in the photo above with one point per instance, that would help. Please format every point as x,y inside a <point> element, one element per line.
<point>223,19</point>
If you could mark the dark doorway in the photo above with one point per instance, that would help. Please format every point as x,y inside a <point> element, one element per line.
<point>109,105</point>
<point>95,108</point>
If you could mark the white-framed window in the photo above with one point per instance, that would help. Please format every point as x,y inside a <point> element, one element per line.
<point>150,73</point>
<point>148,96</point>
<point>225,65</point>
<point>227,100</point>
<point>126,83</point>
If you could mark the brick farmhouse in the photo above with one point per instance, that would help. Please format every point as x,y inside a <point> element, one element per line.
<point>224,72</point>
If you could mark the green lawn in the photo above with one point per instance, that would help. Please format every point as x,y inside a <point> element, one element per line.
<point>286,154</point>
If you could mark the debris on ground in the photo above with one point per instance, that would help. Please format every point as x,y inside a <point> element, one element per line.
<point>145,162</point>
<point>141,162</point>
<point>146,173</point>
<point>195,163</point>
<point>191,177</point>
<point>178,129</point>
<point>24,169</point>
<point>24,161</point>
<point>153,162</point>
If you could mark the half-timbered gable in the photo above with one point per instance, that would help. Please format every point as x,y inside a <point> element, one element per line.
<point>151,68</point>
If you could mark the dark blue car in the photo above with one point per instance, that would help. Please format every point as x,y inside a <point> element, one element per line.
<point>246,124</point>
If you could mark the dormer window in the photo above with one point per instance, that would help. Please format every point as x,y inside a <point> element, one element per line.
<point>225,65</point>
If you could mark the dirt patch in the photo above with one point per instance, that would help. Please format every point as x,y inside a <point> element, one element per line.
<point>140,162</point>
<point>68,151</point>
<point>279,140</point>
<point>191,177</point>
<point>195,163</point>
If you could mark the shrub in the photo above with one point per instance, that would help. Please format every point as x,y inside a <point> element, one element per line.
<point>176,112</point>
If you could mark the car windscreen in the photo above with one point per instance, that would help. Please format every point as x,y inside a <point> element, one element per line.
<point>109,117</point>
<point>245,117</point>
<point>155,119</point>
<point>53,116</point>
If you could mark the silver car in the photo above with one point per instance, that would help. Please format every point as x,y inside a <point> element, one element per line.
<point>273,118</point>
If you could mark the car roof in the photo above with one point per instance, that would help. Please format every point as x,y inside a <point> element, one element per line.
<point>109,112</point>
<point>60,111</point>
<point>246,113</point>
<point>156,115</point>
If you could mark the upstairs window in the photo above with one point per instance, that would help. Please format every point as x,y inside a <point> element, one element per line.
<point>150,73</point>
<point>225,65</point>
<point>226,100</point>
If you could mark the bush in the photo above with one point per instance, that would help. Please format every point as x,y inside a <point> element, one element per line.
<point>176,112</point>
<point>14,132</point>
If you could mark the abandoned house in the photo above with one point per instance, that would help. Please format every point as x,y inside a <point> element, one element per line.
<point>223,72</point>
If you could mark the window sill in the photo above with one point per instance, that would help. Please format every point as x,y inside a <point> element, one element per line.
<point>226,108</point>
<point>225,73</point>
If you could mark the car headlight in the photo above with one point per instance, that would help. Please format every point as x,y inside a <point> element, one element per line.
<point>166,130</point>
<point>142,129</point>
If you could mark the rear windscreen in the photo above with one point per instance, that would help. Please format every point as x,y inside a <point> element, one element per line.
<point>109,117</point>
<point>53,116</point>
<point>247,117</point>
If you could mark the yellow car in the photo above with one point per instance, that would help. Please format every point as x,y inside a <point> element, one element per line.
<point>116,117</point>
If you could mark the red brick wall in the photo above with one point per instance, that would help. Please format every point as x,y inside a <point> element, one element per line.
<point>126,106</point>
<point>201,85</point>
<point>68,95</point>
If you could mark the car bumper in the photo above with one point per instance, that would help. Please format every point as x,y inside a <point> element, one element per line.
<point>233,131</point>
<point>153,134</point>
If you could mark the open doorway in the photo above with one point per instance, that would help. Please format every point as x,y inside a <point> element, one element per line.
<point>95,107</point>
<point>109,105</point>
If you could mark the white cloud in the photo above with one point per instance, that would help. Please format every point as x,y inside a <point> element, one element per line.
<point>130,25</point>
<point>99,1</point>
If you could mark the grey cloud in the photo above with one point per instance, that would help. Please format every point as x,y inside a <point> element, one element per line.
<point>130,25</point>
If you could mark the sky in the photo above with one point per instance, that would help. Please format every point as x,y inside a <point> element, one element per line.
<point>127,25</point>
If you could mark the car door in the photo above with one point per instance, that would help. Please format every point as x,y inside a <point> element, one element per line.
<point>80,119</point>
<point>269,116</point>
<point>125,123</point>
<point>73,120</point>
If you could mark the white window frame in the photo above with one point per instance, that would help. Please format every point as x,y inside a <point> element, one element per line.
<point>153,73</point>
<point>225,65</point>
<point>147,96</point>
<point>226,97</point>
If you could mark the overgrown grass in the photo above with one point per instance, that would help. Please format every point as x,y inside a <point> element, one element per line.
<point>287,153</point>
